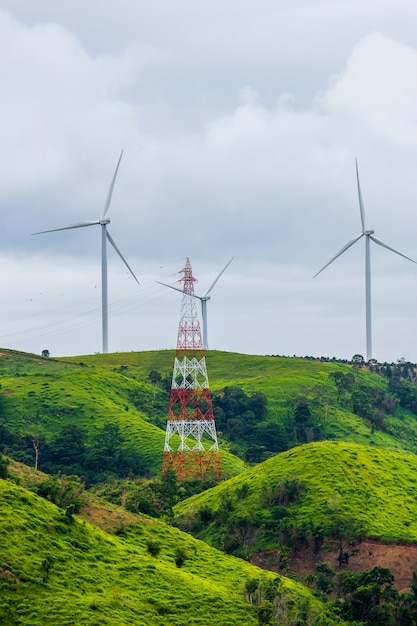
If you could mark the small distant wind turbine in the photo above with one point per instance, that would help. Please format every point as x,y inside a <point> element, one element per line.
<point>103,221</point>
<point>368,234</point>
<point>203,299</point>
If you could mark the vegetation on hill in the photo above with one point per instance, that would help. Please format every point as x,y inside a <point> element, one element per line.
<point>96,424</point>
<point>327,491</point>
<point>65,416</point>
<point>58,569</point>
<point>306,399</point>
<point>324,498</point>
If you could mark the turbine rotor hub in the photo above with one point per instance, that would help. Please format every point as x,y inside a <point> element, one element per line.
<point>368,232</point>
<point>104,221</point>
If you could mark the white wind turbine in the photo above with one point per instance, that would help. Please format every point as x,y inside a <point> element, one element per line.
<point>368,234</point>
<point>103,221</point>
<point>203,299</point>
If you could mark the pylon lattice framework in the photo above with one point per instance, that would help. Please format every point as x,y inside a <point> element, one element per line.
<point>191,447</point>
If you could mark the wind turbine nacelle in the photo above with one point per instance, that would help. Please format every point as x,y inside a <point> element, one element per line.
<point>368,232</point>
<point>105,221</point>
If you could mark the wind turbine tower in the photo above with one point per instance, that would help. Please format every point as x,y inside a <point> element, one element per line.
<point>191,447</point>
<point>369,235</point>
<point>105,236</point>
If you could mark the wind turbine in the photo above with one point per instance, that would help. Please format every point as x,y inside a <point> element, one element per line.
<point>368,234</point>
<point>203,299</point>
<point>105,235</point>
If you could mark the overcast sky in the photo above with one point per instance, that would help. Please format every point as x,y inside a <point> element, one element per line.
<point>240,122</point>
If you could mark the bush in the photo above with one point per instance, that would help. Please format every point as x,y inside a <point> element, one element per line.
<point>4,472</point>
<point>180,557</point>
<point>153,548</point>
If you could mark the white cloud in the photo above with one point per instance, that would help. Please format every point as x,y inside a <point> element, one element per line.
<point>240,137</point>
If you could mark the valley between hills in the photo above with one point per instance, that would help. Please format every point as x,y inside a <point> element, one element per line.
<point>313,522</point>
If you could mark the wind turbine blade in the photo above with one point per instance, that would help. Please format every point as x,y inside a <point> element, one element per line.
<point>361,207</point>
<point>384,245</point>
<point>110,192</point>
<point>206,293</point>
<point>194,295</point>
<point>79,225</point>
<point>110,238</point>
<point>346,247</point>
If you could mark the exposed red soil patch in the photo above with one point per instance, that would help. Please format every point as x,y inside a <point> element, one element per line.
<point>400,559</point>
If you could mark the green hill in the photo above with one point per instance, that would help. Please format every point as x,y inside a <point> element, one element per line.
<point>346,402</point>
<point>338,442</point>
<point>58,569</point>
<point>41,396</point>
<point>311,493</point>
<point>69,409</point>
<point>263,406</point>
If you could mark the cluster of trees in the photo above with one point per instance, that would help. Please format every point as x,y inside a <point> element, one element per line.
<point>156,497</point>
<point>367,597</point>
<point>240,419</point>
<point>402,369</point>
<point>371,403</point>
<point>73,451</point>
<point>275,604</point>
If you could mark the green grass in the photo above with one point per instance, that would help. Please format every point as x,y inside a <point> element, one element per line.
<point>60,573</point>
<point>40,395</point>
<point>369,484</point>
<point>282,380</point>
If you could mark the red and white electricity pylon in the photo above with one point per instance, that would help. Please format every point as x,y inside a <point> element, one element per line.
<point>191,447</point>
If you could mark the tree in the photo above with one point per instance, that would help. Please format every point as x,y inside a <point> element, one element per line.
<point>265,612</point>
<point>105,454</point>
<point>324,577</point>
<point>358,360</point>
<point>347,531</point>
<point>68,447</point>
<point>362,404</point>
<point>64,491</point>
<point>156,379</point>
<point>302,421</point>
<point>45,352</point>
<point>251,585</point>
<point>369,595</point>
<point>344,382</point>
<point>3,467</point>
<point>36,443</point>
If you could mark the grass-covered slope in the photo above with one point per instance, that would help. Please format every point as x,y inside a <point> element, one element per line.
<point>284,380</point>
<point>55,569</point>
<point>41,395</point>
<point>312,491</point>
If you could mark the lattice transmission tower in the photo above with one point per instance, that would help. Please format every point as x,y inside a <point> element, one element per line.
<point>191,447</point>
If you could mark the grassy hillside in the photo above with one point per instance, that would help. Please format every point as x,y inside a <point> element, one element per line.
<point>285,381</point>
<point>318,491</point>
<point>41,395</point>
<point>305,401</point>
<point>354,477</point>
<point>57,569</point>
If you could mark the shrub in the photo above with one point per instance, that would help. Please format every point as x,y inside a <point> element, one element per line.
<point>153,548</point>
<point>180,557</point>
<point>4,472</point>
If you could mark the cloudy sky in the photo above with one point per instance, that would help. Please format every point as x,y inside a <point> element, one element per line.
<point>240,122</point>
